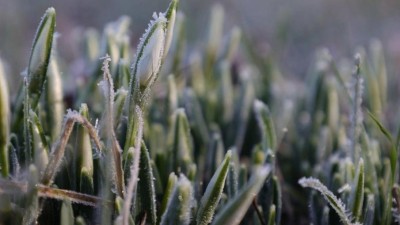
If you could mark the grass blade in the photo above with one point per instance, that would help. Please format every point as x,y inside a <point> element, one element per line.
<point>146,189</point>
<point>38,64</point>
<point>234,211</point>
<point>212,195</point>
<point>357,195</point>
<point>4,122</point>
<point>179,207</point>
<point>333,201</point>
<point>67,215</point>
<point>266,125</point>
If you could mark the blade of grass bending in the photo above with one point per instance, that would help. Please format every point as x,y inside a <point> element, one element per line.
<point>59,148</point>
<point>213,192</point>
<point>394,146</point>
<point>333,201</point>
<point>233,212</point>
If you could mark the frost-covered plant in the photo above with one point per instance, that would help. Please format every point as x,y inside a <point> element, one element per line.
<point>220,137</point>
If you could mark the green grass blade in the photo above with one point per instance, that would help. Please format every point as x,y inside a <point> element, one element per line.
<point>232,181</point>
<point>84,155</point>
<point>54,97</point>
<point>212,195</point>
<point>145,71</point>
<point>180,142</point>
<point>67,215</point>
<point>179,207</point>
<point>119,101</point>
<point>272,215</point>
<point>38,64</point>
<point>39,146</point>
<point>146,189</point>
<point>4,122</point>
<point>357,195</point>
<point>266,125</point>
<point>172,180</point>
<point>170,15</point>
<point>234,211</point>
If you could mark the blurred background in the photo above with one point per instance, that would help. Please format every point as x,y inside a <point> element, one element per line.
<point>290,30</point>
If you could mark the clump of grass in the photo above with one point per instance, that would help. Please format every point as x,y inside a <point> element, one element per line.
<point>222,138</point>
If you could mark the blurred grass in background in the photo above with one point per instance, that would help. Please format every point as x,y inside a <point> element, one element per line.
<point>287,29</point>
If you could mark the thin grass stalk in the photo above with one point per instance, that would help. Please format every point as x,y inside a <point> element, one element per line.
<point>27,134</point>
<point>4,123</point>
<point>75,197</point>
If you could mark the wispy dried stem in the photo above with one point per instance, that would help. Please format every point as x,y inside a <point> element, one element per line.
<point>72,117</point>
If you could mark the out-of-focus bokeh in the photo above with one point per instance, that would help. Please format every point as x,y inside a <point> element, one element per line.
<point>291,30</point>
